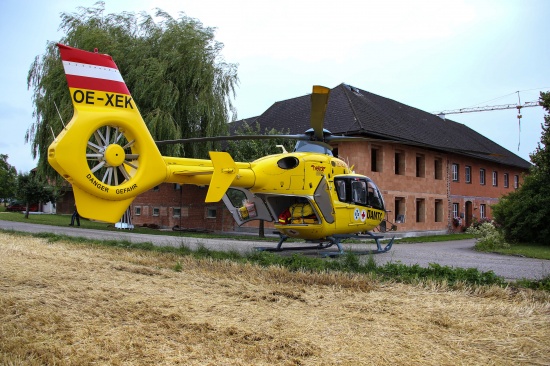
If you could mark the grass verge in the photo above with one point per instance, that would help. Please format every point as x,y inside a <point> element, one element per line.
<point>349,263</point>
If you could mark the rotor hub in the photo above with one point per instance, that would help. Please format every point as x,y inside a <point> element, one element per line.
<point>114,155</point>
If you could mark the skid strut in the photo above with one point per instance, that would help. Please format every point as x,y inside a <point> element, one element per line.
<point>329,242</point>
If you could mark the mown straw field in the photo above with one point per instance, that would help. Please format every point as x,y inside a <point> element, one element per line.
<point>72,304</point>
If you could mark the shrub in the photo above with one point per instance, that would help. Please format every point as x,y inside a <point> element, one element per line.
<point>488,237</point>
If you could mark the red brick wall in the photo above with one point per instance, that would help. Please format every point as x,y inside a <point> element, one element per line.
<point>474,193</point>
<point>426,201</point>
<point>195,213</point>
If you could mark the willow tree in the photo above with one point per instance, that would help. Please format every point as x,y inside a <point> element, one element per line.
<point>173,67</point>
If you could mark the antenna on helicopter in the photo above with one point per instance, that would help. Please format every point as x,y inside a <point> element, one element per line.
<point>59,114</point>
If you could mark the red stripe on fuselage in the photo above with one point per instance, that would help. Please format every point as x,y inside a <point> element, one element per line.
<point>81,82</point>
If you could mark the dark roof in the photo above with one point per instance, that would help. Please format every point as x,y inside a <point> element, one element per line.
<point>352,111</point>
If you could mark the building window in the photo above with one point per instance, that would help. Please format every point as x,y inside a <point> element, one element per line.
<point>455,172</point>
<point>482,177</point>
<point>438,210</point>
<point>399,209</point>
<point>516,181</point>
<point>137,210</point>
<point>495,178</point>
<point>420,166</point>
<point>400,162</point>
<point>156,188</point>
<point>177,211</point>
<point>177,186</point>
<point>506,183</point>
<point>156,211</point>
<point>375,159</point>
<point>420,210</point>
<point>455,210</point>
<point>482,211</point>
<point>211,213</point>
<point>438,168</point>
<point>468,173</point>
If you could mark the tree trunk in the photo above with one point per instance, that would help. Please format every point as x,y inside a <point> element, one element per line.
<point>261,230</point>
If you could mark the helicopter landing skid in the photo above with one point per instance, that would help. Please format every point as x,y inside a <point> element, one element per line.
<point>368,236</point>
<point>329,242</point>
<point>321,244</point>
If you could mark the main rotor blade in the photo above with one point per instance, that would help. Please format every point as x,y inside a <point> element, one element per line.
<point>231,138</point>
<point>319,100</point>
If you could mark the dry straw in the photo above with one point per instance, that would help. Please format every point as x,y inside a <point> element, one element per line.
<point>69,304</point>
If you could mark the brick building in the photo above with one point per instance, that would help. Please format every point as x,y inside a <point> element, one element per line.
<point>436,175</point>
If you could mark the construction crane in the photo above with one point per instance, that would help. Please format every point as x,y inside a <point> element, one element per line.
<point>489,108</point>
<point>517,106</point>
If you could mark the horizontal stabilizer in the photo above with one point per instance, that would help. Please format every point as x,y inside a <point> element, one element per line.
<point>225,171</point>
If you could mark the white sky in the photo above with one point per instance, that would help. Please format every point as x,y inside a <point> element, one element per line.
<point>433,55</point>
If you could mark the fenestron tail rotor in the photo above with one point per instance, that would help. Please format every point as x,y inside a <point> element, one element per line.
<point>110,156</point>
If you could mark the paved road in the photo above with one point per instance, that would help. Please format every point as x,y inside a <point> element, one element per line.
<point>451,253</point>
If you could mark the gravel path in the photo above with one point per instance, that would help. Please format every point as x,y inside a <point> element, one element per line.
<point>448,253</point>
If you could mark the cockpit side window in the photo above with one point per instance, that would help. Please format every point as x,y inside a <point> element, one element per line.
<point>359,192</point>
<point>341,190</point>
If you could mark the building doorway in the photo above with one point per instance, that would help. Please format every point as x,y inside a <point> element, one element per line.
<point>468,218</point>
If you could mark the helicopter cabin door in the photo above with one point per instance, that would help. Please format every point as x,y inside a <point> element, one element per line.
<point>244,206</point>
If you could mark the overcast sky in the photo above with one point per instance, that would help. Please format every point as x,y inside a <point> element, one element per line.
<point>432,55</point>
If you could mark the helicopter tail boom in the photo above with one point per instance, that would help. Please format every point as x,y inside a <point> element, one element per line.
<point>106,151</point>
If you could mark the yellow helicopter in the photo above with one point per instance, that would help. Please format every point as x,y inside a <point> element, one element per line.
<point>108,155</point>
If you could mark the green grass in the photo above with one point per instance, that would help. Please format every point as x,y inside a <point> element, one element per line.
<point>434,238</point>
<point>348,263</point>
<point>539,251</point>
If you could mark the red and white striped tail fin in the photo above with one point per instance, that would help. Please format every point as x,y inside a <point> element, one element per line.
<point>91,70</point>
<point>106,151</point>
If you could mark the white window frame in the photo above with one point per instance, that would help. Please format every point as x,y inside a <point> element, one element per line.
<point>455,172</point>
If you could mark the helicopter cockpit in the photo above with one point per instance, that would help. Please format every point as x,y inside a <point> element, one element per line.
<point>359,190</point>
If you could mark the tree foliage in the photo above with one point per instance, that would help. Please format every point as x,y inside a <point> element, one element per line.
<point>524,214</point>
<point>8,177</point>
<point>250,150</point>
<point>31,189</point>
<point>173,68</point>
